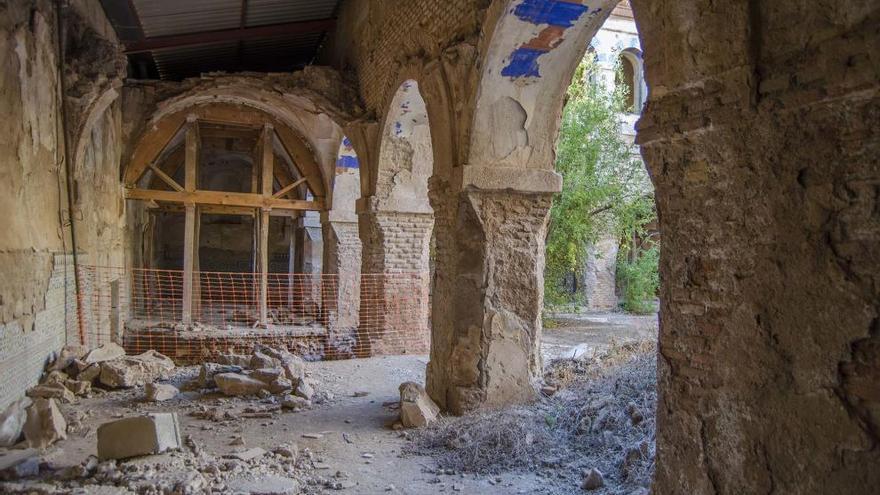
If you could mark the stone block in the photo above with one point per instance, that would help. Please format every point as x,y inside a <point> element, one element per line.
<point>236,384</point>
<point>131,371</point>
<point>12,421</point>
<point>158,392</point>
<point>52,391</point>
<point>140,435</point>
<point>106,352</point>
<point>416,408</point>
<point>209,370</point>
<point>45,424</point>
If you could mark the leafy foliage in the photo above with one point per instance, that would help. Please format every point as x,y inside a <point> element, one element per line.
<point>605,186</point>
<point>639,280</point>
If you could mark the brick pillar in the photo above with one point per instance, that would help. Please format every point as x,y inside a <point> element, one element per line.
<point>341,284</point>
<point>394,281</point>
<point>488,287</point>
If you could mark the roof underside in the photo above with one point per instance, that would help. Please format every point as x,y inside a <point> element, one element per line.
<point>175,39</point>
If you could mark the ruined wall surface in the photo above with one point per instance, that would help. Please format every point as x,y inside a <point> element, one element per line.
<point>37,303</point>
<point>395,242</point>
<point>600,275</point>
<point>762,139</point>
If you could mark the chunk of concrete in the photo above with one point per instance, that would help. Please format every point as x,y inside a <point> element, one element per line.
<point>17,464</point>
<point>295,369</point>
<point>280,385</point>
<point>305,389</point>
<point>236,384</point>
<point>209,370</point>
<point>132,371</point>
<point>45,424</point>
<point>78,387</point>
<point>141,435</point>
<point>232,359</point>
<point>12,421</point>
<point>106,352</point>
<point>260,360</point>
<point>267,375</point>
<point>52,391</point>
<point>67,356</point>
<point>56,377</point>
<point>158,392</point>
<point>90,373</point>
<point>593,479</point>
<point>416,408</point>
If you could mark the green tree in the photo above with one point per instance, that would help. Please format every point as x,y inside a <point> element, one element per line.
<point>605,186</point>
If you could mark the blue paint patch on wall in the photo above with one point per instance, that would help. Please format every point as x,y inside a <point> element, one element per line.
<point>346,161</point>
<point>553,12</point>
<point>346,142</point>
<point>523,63</point>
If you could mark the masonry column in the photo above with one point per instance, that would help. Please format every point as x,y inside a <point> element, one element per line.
<point>489,287</point>
<point>307,262</point>
<point>394,297</point>
<point>341,281</point>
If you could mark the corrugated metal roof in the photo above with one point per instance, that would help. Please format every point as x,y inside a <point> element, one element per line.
<point>280,53</point>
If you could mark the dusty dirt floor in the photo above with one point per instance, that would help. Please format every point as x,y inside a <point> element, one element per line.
<point>356,450</point>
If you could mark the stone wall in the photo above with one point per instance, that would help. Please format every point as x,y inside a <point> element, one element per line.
<point>600,275</point>
<point>762,141</point>
<point>36,295</point>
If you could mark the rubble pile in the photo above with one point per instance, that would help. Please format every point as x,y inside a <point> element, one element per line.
<point>145,452</point>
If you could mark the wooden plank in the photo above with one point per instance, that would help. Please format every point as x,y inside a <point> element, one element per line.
<point>264,267</point>
<point>201,197</point>
<point>267,165</point>
<point>284,190</point>
<point>159,134</point>
<point>188,261</point>
<point>224,210</point>
<point>165,178</point>
<point>152,142</point>
<point>169,166</point>
<point>192,153</point>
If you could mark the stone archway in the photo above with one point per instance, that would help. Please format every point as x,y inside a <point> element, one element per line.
<point>752,364</point>
<point>396,221</point>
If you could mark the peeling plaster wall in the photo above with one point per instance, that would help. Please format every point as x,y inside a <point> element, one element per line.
<point>37,298</point>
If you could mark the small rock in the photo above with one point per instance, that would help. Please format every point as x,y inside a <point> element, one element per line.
<point>416,408</point>
<point>260,360</point>
<point>231,359</point>
<point>90,373</point>
<point>267,375</point>
<point>45,424</point>
<point>140,435</point>
<point>237,441</point>
<point>132,371</point>
<point>56,377</point>
<point>313,436</point>
<point>68,355</point>
<point>294,402</point>
<point>52,391</point>
<point>236,384</point>
<point>248,454</point>
<point>106,352</point>
<point>280,385</point>
<point>158,392</point>
<point>208,370</point>
<point>305,389</point>
<point>17,464</point>
<point>78,387</point>
<point>593,479</point>
<point>289,451</point>
<point>548,390</point>
<point>12,421</point>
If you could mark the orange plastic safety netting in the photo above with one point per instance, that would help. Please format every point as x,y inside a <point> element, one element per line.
<point>318,316</point>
